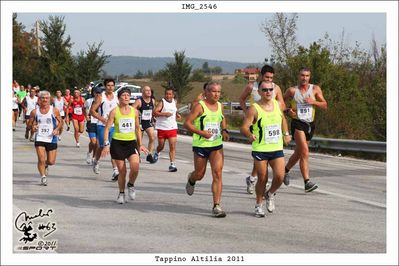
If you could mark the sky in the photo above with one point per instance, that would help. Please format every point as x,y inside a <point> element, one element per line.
<point>222,36</point>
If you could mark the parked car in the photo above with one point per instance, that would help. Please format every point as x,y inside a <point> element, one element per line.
<point>134,89</point>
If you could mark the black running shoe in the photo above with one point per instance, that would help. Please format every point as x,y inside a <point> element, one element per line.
<point>310,186</point>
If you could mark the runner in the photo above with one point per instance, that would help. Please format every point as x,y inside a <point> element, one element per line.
<point>305,98</point>
<point>126,143</point>
<point>207,122</point>
<point>102,105</point>
<point>21,94</point>
<point>59,103</point>
<point>146,106</point>
<point>91,126</point>
<point>77,103</point>
<point>29,104</point>
<point>46,121</point>
<point>251,92</point>
<point>14,109</point>
<point>166,125</point>
<point>268,124</point>
<point>67,108</point>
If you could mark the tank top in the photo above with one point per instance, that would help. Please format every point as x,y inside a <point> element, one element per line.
<point>14,102</point>
<point>30,104</point>
<point>59,104</point>
<point>88,104</point>
<point>305,112</point>
<point>125,125</point>
<point>146,109</point>
<point>106,107</point>
<point>46,124</point>
<point>210,121</point>
<point>267,129</point>
<point>67,98</point>
<point>77,108</point>
<point>167,123</point>
<point>255,95</point>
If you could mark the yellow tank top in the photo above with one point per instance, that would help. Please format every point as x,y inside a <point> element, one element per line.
<point>125,125</point>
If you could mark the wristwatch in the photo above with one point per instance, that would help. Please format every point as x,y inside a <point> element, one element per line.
<point>106,143</point>
<point>286,133</point>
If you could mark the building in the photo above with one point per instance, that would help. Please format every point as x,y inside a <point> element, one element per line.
<point>250,74</point>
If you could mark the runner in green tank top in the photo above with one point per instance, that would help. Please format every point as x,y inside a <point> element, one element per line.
<point>209,127</point>
<point>270,131</point>
<point>126,143</point>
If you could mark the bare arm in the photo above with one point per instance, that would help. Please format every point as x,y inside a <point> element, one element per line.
<point>249,118</point>
<point>320,101</point>
<point>140,145</point>
<point>279,97</point>
<point>137,104</point>
<point>108,125</point>
<point>188,124</point>
<point>32,121</point>
<point>225,134</point>
<point>245,95</point>
<point>59,121</point>
<point>157,111</point>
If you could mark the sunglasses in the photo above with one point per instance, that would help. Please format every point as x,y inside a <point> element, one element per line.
<point>267,90</point>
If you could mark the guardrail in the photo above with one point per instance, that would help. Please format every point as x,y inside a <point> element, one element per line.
<point>319,143</point>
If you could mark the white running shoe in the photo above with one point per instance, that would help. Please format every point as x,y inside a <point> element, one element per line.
<point>77,145</point>
<point>270,202</point>
<point>121,198</point>
<point>131,192</point>
<point>259,212</point>
<point>96,167</point>
<point>59,138</point>
<point>88,158</point>
<point>250,185</point>
<point>43,181</point>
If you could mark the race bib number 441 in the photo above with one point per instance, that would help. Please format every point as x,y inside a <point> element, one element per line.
<point>126,125</point>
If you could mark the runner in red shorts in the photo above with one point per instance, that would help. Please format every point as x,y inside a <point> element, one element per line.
<point>67,109</point>
<point>77,105</point>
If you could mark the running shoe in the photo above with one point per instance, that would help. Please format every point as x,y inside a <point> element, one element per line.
<point>218,212</point>
<point>31,140</point>
<point>131,191</point>
<point>270,201</point>
<point>115,175</point>
<point>259,212</point>
<point>96,167</point>
<point>77,145</point>
<point>26,134</point>
<point>150,159</point>
<point>286,179</point>
<point>172,167</point>
<point>88,158</point>
<point>43,181</point>
<point>310,186</point>
<point>121,198</point>
<point>156,157</point>
<point>250,185</point>
<point>189,187</point>
<point>59,138</point>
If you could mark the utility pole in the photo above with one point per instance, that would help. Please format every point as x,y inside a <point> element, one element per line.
<point>37,39</point>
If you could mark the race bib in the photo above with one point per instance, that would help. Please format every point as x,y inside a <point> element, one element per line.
<point>273,133</point>
<point>214,128</point>
<point>44,133</point>
<point>305,112</point>
<point>126,125</point>
<point>62,113</point>
<point>77,110</point>
<point>146,115</point>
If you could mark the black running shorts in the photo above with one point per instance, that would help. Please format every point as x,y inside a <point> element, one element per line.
<point>46,145</point>
<point>308,128</point>
<point>122,149</point>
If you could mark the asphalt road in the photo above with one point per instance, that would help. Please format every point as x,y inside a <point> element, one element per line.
<point>347,214</point>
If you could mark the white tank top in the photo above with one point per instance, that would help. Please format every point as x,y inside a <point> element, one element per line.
<point>255,95</point>
<point>88,104</point>
<point>30,104</point>
<point>167,123</point>
<point>14,102</point>
<point>106,107</point>
<point>305,112</point>
<point>59,104</point>
<point>46,124</point>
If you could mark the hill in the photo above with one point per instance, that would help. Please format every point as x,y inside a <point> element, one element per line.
<point>129,65</point>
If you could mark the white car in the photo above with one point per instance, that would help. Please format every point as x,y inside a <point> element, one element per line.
<point>134,89</point>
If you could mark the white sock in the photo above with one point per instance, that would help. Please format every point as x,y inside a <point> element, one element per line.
<point>116,170</point>
<point>252,178</point>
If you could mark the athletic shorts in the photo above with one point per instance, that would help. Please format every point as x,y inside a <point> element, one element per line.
<point>15,110</point>
<point>100,135</point>
<point>308,128</point>
<point>206,152</point>
<point>167,134</point>
<point>27,117</point>
<point>46,145</point>
<point>79,118</point>
<point>91,127</point>
<point>268,156</point>
<point>146,124</point>
<point>123,149</point>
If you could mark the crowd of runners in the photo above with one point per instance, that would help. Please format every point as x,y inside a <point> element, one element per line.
<point>115,127</point>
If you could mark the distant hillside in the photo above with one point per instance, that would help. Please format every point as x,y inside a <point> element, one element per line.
<point>129,65</point>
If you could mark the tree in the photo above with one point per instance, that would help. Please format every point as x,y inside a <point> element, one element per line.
<point>89,63</point>
<point>198,75</point>
<point>138,75</point>
<point>58,68</point>
<point>205,68</point>
<point>178,74</point>
<point>281,33</point>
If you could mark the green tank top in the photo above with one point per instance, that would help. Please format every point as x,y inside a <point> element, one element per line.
<point>269,137</point>
<point>210,121</point>
<point>125,125</point>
